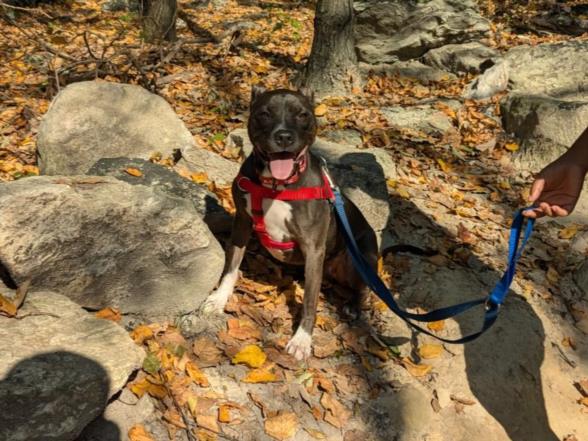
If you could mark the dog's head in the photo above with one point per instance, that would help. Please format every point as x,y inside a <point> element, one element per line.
<point>281,127</point>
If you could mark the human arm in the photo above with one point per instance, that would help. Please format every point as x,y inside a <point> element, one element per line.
<point>557,187</point>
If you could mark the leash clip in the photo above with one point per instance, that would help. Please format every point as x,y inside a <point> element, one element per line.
<point>490,304</point>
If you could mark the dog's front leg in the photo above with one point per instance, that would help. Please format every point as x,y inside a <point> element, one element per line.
<point>300,344</point>
<point>240,234</point>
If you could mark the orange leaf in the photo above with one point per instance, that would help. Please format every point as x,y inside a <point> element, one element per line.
<point>436,326</point>
<point>7,307</point>
<point>138,433</point>
<point>141,333</point>
<point>224,414</point>
<point>282,426</point>
<point>416,370</point>
<point>321,110</point>
<point>262,375</point>
<point>336,414</point>
<point>196,375</point>
<point>207,422</point>
<point>134,172</point>
<point>251,355</point>
<point>109,313</point>
<point>430,351</point>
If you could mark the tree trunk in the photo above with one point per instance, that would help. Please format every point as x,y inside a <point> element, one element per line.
<point>332,65</point>
<point>159,20</point>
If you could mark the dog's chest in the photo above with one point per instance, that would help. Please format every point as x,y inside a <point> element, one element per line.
<point>276,216</point>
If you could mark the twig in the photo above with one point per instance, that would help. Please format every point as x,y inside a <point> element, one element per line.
<point>31,10</point>
<point>88,46</point>
<point>39,41</point>
<point>186,420</point>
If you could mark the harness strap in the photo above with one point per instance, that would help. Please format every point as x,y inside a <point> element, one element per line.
<point>259,193</point>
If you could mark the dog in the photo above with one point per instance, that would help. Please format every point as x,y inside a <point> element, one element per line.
<point>282,192</point>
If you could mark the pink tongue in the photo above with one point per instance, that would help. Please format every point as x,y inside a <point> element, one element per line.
<point>281,168</point>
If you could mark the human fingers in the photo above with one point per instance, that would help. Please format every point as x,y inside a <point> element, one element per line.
<point>559,211</point>
<point>546,208</point>
<point>533,213</point>
<point>536,189</point>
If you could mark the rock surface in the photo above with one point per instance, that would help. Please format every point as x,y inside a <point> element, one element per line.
<point>103,242</point>
<point>59,366</point>
<point>392,30</point>
<point>546,113</point>
<point>461,58</point>
<point>91,120</point>
<point>423,121</point>
<point>581,278</point>
<point>219,170</point>
<point>120,416</point>
<point>153,175</point>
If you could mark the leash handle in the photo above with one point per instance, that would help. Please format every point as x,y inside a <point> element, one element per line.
<point>491,303</point>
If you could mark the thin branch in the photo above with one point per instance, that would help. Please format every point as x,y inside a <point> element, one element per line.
<point>30,10</point>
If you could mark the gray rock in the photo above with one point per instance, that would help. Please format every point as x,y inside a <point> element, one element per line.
<point>544,126</point>
<point>119,417</point>
<point>461,58</point>
<point>361,174</point>
<point>103,242</point>
<point>404,415</point>
<point>154,175</point>
<point>121,5</point>
<point>566,64</point>
<point>491,82</point>
<point>581,277</point>
<point>546,112</point>
<point>220,170</point>
<point>91,120</point>
<point>421,119</point>
<point>392,30</point>
<point>59,366</point>
<point>412,69</point>
<point>348,137</point>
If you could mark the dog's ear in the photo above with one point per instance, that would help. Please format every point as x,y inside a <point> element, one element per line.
<point>308,93</point>
<point>256,92</point>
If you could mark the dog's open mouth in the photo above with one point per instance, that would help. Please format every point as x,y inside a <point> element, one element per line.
<point>281,165</point>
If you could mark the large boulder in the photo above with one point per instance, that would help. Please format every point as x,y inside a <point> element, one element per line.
<point>391,30</point>
<point>91,120</point>
<point>420,122</point>
<point>103,242</point>
<point>462,58</point>
<point>219,170</point>
<point>546,112</point>
<point>59,367</point>
<point>154,175</point>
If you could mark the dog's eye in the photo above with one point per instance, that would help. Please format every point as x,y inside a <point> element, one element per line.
<point>264,116</point>
<point>304,116</point>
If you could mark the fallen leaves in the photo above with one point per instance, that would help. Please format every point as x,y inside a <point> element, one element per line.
<point>7,308</point>
<point>111,314</point>
<point>133,172</point>
<point>261,375</point>
<point>139,433</point>
<point>251,355</point>
<point>428,351</point>
<point>321,110</point>
<point>196,375</point>
<point>282,426</point>
<point>568,232</point>
<point>335,413</point>
<point>414,369</point>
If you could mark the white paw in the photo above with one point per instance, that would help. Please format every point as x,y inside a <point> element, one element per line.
<point>215,303</point>
<point>299,346</point>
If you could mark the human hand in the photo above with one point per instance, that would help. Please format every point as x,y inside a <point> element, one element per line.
<point>557,188</point>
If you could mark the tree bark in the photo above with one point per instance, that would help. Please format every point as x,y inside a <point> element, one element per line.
<point>332,65</point>
<point>159,20</point>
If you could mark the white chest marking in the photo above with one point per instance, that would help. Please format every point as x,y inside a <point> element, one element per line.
<point>276,215</point>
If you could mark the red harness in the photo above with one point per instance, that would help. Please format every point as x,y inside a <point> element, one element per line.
<point>259,193</point>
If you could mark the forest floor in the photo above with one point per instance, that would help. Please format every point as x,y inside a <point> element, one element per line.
<point>372,380</point>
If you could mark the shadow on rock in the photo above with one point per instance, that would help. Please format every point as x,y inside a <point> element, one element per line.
<point>52,396</point>
<point>502,366</point>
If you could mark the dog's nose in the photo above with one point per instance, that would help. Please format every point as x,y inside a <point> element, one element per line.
<point>284,138</point>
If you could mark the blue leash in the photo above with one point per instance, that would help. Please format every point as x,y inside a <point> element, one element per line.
<point>491,303</point>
